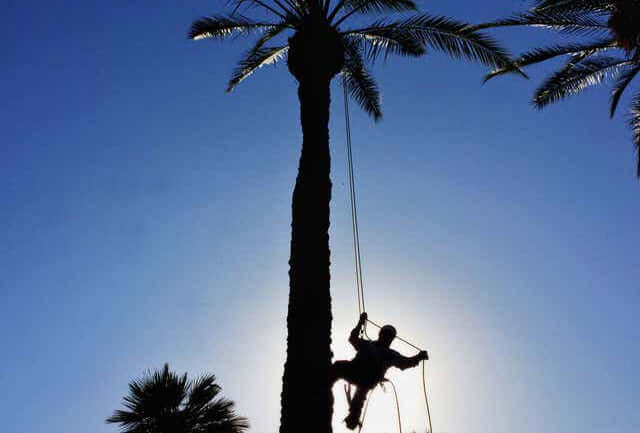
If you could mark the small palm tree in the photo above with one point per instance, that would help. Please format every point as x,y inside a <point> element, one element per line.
<point>318,43</point>
<point>611,51</point>
<point>164,402</point>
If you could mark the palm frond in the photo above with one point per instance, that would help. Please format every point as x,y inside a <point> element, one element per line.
<point>597,6</point>
<point>359,82</point>
<point>454,38</point>
<point>149,397</point>
<point>269,34</point>
<point>634,122</point>
<point>367,6</point>
<point>256,59</point>
<point>156,403</point>
<point>351,7</point>
<point>219,416</point>
<point>539,55</point>
<point>125,418</point>
<point>564,22</point>
<point>202,391</point>
<point>280,10</point>
<point>575,78</point>
<point>388,40</point>
<point>223,26</point>
<point>297,6</point>
<point>621,85</point>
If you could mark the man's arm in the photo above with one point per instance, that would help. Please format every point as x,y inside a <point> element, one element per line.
<point>354,338</point>
<point>403,362</point>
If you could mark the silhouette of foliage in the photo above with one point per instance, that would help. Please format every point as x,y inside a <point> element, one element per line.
<point>163,402</point>
<point>401,36</point>
<point>613,54</point>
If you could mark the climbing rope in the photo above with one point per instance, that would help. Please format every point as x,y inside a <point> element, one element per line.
<point>366,406</point>
<point>358,268</point>
<point>354,205</point>
<point>426,399</point>
<point>395,393</point>
<point>364,412</point>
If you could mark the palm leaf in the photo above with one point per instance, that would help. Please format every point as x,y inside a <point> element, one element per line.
<point>256,59</point>
<point>269,34</point>
<point>443,34</point>
<point>388,40</point>
<point>156,404</point>
<point>359,82</point>
<point>219,416</point>
<point>283,12</point>
<point>621,85</point>
<point>575,78</point>
<point>223,26</point>
<point>125,418</point>
<point>539,55</point>
<point>565,22</point>
<point>635,125</point>
<point>598,6</point>
<point>370,6</point>
<point>202,391</point>
<point>366,6</point>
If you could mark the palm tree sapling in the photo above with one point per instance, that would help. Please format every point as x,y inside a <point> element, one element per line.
<point>163,402</point>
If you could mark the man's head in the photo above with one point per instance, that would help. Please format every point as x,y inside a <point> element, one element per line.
<point>386,335</point>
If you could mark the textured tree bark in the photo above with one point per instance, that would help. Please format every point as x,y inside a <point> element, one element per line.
<point>307,401</point>
<point>315,56</point>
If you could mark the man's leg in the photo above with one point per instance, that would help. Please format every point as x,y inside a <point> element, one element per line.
<point>341,370</point>
<point>355,409</point>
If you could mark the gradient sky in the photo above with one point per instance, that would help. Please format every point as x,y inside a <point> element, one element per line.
<point>145,219</point>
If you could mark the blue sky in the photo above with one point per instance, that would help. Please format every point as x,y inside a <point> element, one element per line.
<point>146,216</point>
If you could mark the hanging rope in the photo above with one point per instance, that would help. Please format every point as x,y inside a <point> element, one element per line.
<point>358,266</point>
<point>395,393</point>
<point>366,406</point>
<point>354,205</point>
<point>364,412</point>
<point>426,399</point>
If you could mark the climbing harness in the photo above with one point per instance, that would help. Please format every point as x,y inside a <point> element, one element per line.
<point>359,282</point>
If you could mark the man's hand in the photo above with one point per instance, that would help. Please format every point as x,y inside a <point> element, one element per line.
<point>363,317</point>
<point>423,355</point>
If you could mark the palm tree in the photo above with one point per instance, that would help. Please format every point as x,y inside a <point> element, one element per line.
<point>611,51</point>
<point>320,46</point>
<point>164,402</point>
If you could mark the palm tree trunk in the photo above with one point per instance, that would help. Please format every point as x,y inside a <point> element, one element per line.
<point>307,401</point>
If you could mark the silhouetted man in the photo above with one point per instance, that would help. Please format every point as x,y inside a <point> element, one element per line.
<point>369,366</point>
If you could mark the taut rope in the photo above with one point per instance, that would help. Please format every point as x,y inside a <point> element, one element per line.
<point>358,266</point>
